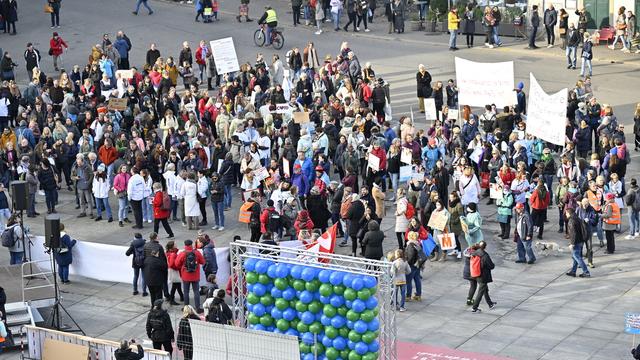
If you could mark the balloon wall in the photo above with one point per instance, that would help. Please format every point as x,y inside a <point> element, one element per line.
<point>334,314</point>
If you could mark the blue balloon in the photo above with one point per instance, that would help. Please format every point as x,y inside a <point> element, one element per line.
<point>269,308</point>
<point>336,300</point>
<point>325,299</point>
<point>308,274</point>
<point>309,356</point>
<point>262,266</point>
<point>374,324</point>
<point>351,345</point>
<point>292,332</point>
<point>296,271</point>
<point>259,289</point>
<point>324,275</point>
<point>288,294</point>
<point>325,320</point>
<point>372,302</point>
<point>347,279</point>
<point>250,264</point>
<point>322,357</point>
<point>250,287</point>
<point>361,348</point>
<point>289,314</point>
<point>278,331</point>
<point>350,324</point>
<point>269,287</point>
<point>250,307</point>
<point>307,338</point>
<point>308,317</point>
<point>357,284</point>
<point>360,327</point>
<point>374,346</point>
<point>306,297</point>
<point>276,314</point>
<point>271,328</point>
<point>339,343</point>
<point>316,295</point>
<point>271,271</point>
<point>369,281</point>
<point>318,316</point>
<point>275,292</point>
<point>259,327</point>
<point>336,278</point>
<point>259,309</point>
<point>326,341</point>
<point>349,303</point>
<point>338,321</point>
<point>358,306</point>
<point>282,270</point>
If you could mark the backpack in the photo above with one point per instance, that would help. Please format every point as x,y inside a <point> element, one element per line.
<point>191,261</point>
<point>8,238</point>
<point>138,256</point>
<point>274,223</point>
<point>419,258</point>
<point>166,201</point>
<point>475,266</point>
<point>410,212</point>
<point>216,314</point>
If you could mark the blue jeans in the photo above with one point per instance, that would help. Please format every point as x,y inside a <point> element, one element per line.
<point>227,195</point>
<point>17,258</point>
<point>174,208</point>
<point>576,255</point>
<point>137,273</point>
<point>422,11</point>
<point>122,208</point>
<point>195,285</point>
<point>452,38</point>
<point>63,272</point>
<point>143,2</point>
<point>634,221</point>
<point>532,36</point>
<point>571,55</point>
<point>622,40</point>
<point>110,175</point>
<point>524,248</point>
<point>496,38</point>
<point>103,204</point>
<point>267,35</point>
<point>336,19</point>
<point>402,291</point>
<point>599,231</point>
<point>32,204</point>
<point>218,212</point>
<point>147,210</point>
<point>585,63</point>
<point>414,275</point>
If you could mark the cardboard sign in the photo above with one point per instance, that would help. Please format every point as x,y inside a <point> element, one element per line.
<point>447,241</point>
<point>224,54</point>
<point>261,173</point>
<point>301,117</point>
<point>495,191</point>
<point>406,156</point>
<point>430,112</point>
<point>208,11</point>
<point>117,104</point>
<point>632,323</point>
<point>282,108</point>
<point>465,227</point>
<point>59,350</point>
<point>374,162</point>
<point>438,220</point>
<point>124,74</point>
<point>546,113</point>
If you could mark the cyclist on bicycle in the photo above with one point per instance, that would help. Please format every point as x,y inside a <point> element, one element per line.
<point>271,20</point>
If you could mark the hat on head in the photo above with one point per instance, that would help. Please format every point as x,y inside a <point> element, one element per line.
<point>610,196</point>
<point>188,242</point>
<point>520,85</point>
<point>297,167</point>
<point>519,206</point>
<point>55,33</point>
<point>137,236</point>
<point>319,168</point>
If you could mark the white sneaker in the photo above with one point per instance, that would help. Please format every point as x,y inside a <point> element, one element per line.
<point>637,51</point>
<point>549,46</point>
<point>221,228</point>
<point>459,256</point>
<point>214,227</point>
<point>366,30</point>
<point>41,192</point>
<point>636,234</point>
<point>149,221</point>
<point>491,46</point>
<point>318,32</point>
<point>486,44</point>
<point>629,237</point>
<point>357,28</point>
<point>611,47</point>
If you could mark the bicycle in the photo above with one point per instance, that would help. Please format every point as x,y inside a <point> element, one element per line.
<point>277,39</point>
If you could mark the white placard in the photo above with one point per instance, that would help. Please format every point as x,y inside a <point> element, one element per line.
<point>283,108</point>
<point>261,173</point>
<point>546,114</point>
<point>475,155</point>
<point>220,161</point>
<point>125,74</point>
<point>453,114</point>
<point>285,167</point>
<point>406,156</point>
<point>224,54</point>
<point>405,173</point>
<point>430,112</point>
<point>480,84</point>
<point>374,162</point>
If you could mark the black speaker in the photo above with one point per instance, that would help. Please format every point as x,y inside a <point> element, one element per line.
<point>52,231</point>
<point>19,195</point>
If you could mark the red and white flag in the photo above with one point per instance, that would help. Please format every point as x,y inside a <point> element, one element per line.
<point>326,243</point>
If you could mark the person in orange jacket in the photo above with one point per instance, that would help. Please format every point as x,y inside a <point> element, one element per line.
<point>539,202</point>
<point>189,262</point>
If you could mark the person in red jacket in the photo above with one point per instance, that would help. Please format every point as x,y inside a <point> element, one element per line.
<point>56,48</point>
<point>174,272</point>
<point>201,55</point>
<point>160,215</point>
<point>303,222</point>
<point>189,261</point>
<point>108,154</point>
<point>539,202</point>
<point>379,152</point>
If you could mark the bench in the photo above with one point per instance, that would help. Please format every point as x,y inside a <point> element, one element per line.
<point>607,34</point>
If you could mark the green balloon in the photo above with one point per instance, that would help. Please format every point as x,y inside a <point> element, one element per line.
<point>282,325</point>
<point>251,277</point>
<point>282,304</point>
<point>293,303</point>
<point>366,315</point>
<point>316,347</point>
<point>304,348</point>
<point>281,284</point>
<point>350,294</point>
<point>344,354</point>
<point>370,356</point>
<point>352,315</point>
<point>266,320</point>
<point>373,290</point>
<point>312,286</point>
<point>332,353</point>
<point>331,332</point>
<point>254,319</point>
<point>315,328</point>
<point>294,323</point>
<point>298,285</point>
<point>300,306</point>
<point>264,279</point>
<point>364,294</point>
<point>338,289</point>
<point>266,299</point>
<point>253,298</point>
<point>329,311</point>
<point>368,337</point>
<point>376,311</point>
<point>342,310</point>
<point>353,355</point>
<point>315,306</point>
<point>344,332</point>
<point>326,290</point>
<point>302,327</point>
<point>354,336</point>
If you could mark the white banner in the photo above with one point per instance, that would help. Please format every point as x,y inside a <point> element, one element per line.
<point>481,84</point>
<point>224,54</point>
<point>546,114</point>
<point>430,112</point>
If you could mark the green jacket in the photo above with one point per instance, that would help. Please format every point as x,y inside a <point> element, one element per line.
<point>505,207</point>
<point>454,220</point>
<point>474,222</point>
<point>561,190</point>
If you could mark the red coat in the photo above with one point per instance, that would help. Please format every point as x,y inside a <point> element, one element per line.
<point>56,46</point>
<point>158,211</point>
<point>382,155</point>
<point>107,155</point>
<point>182,256</point>
<point>508,177</point>
<point>199,58</point>
<point>172,255</point>
<point>538,202</point>
<point>264,218</point>
<point>422,233</point>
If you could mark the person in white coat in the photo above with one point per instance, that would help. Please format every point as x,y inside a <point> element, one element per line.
<point>179,197</point>
<point>402,223</point>
<point>100,189</point>
<point>203,194</point>
<point>170,185</point>
<point>135,194</point>
<point>147,202</point>
<point>278,71</point>
<point>469,187</point>
<point>189,191</point>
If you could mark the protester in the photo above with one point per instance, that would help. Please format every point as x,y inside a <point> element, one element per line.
<point>577,232</point>
<point>399,269</point>
<point>523,235</point>
<point>184,339</point>
<point>136,248</point>
<point>189,262</point>
<point>159,328</point>
<point>486,266</point>
<point>124,352</point>
<point>155,268</point>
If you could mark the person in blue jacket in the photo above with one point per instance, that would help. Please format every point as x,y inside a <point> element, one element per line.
<point>63,255</point>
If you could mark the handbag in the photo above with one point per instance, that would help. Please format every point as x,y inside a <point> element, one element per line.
<point>48,8</point>
<point>484,180</point>
<point>50,51</point>
<point>563,31</point>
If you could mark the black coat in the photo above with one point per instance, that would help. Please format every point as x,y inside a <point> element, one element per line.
<point>47,179</point>
<point>154,270</point>
<point>128,354</point>
<point>226,172</point>
<point>354,214</point>
<point>318,211</point>
<point>486,265</point>
<point>136,243</point>
<point>218,187</point>
<point>424,84</point>
<point>372,241</point>
<point>159,328</point>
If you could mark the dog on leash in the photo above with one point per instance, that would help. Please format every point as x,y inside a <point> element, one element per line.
<point>548,248</point>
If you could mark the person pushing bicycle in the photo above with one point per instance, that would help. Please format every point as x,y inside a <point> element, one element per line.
<point>271,20</point>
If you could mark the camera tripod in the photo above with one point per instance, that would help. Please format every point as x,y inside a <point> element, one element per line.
<point>53,319</point>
